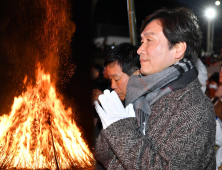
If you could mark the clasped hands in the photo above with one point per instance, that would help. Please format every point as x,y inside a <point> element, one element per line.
<point>112,108</point>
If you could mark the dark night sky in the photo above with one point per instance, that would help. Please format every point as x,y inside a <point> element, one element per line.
<point>114,12</point>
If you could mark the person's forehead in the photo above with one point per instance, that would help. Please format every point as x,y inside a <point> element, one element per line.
<point>114,68</point>
<point>152,28</point>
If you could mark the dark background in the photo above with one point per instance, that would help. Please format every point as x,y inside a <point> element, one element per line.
<point>111,16</point>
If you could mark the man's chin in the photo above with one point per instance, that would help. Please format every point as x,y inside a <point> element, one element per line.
<point>121,97</point>
<point>146,71</point>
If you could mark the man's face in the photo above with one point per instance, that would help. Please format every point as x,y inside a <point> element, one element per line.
<point>118,79</point>
<point>154,51</point>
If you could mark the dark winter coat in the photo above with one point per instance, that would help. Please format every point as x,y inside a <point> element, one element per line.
<point>180,135</point>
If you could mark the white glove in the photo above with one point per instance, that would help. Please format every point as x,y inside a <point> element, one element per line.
<point>218,132</point>
<point>113,109</point>
<point>219,157</point>
<point>130,110</point>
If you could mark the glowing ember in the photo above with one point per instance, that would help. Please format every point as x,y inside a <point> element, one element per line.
<point>39,133</point>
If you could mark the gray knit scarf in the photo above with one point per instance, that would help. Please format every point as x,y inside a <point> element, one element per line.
<point>144,91</point>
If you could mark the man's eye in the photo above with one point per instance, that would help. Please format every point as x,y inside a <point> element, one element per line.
<point>116,79</point>
<point>148,40</point>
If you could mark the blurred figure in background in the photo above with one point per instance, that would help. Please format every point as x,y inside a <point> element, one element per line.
<point>213,83</point>
<point>217,102</point>
<point>99,84</point>
<point>97,75</point>
<point>217,99</point>
<point>96,71</point>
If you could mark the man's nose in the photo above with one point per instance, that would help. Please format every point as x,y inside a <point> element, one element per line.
<point>113,84</point>
<point>140,50</point>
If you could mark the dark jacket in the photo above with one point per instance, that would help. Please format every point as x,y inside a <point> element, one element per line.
<point>180,135</point>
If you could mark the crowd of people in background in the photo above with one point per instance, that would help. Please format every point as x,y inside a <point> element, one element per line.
<point>210,58</point>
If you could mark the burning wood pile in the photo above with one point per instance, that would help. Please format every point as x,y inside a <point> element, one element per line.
<point>40,134</point>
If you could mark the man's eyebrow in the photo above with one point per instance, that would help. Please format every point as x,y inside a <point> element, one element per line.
<point>146,34</point>
<point>113,75</point>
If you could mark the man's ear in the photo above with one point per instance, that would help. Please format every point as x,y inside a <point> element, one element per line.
<point>180,50</point>
<point>137,72</point>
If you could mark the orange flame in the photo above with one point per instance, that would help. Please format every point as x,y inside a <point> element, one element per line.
<point>39,133</point>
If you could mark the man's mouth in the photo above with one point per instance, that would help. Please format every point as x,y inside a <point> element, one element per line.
<point>143,60</point>
<point>120,95</point>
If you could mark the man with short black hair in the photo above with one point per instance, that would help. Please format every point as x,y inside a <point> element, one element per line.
<point>121,63</point>
<point>174,123</point>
